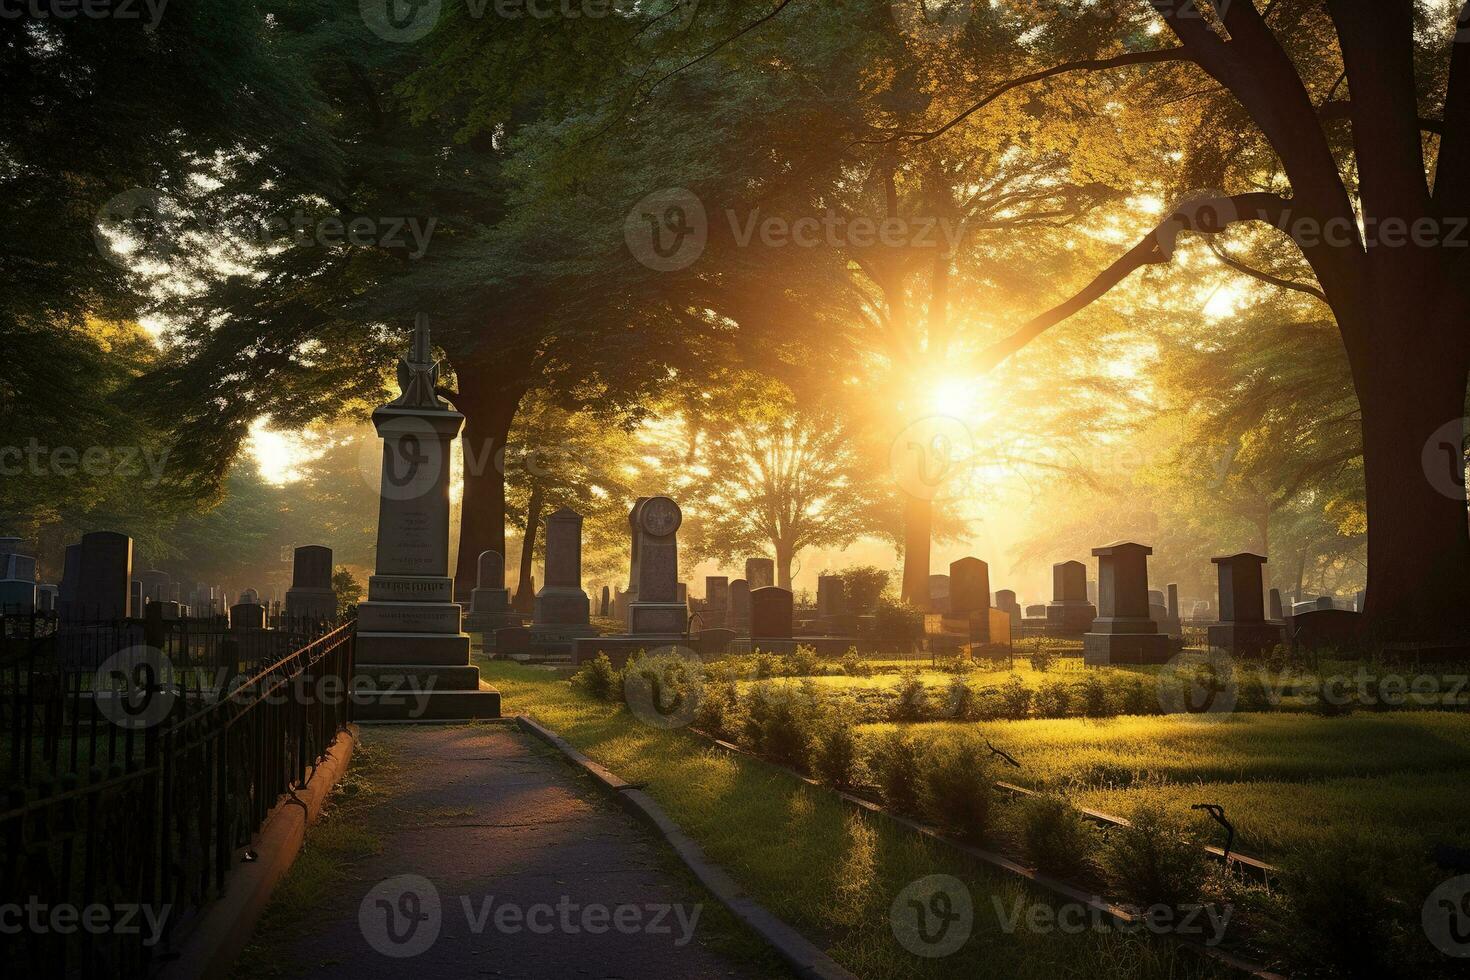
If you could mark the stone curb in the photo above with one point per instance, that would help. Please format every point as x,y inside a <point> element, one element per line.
<point>216,939</point>
<point>803,956</point>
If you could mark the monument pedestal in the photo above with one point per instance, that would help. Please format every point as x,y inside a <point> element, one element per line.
<point>658,618</point>
<point>1070,616</point>
<point>412,662</point>
<point>1247,639</point>
<point>1125,640</point>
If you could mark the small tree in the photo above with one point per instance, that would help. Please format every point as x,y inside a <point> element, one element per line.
<point>347,589</point>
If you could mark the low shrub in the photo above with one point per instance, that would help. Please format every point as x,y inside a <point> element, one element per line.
<point>804,662</point>
<point>1015,698</point>
<point>1042,659</point>
<point>1342,911</point>
<point>835,757</point>
<point>853,665</point>
<point>781,722</point>
<point>957,789</point>
<point>1096,702</point>
<point>897,622</point>
<point>768,665</point>
<point>1053,699</point>
<point>955,665</point>
<point>1155,860</point>
<point>1055,837</point>
<point>1137,697</point>
<point>960,703</point>
<point>894,764</point>
<point>912,703</point>
<point>600,679</point>
<point>718,712</point>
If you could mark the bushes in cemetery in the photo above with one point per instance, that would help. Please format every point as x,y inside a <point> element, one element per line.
<point>912,703</point>
<point>1155,859</point>
<point>957,787</point>
<point>895,764</point>
<point>600,679</point>
<point>1055,837</point>
<point>835,756</point>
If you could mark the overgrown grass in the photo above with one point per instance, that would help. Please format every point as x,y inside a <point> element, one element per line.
<point>828,871</point>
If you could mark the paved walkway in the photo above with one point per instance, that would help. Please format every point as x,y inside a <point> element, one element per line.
<point>500,860</point>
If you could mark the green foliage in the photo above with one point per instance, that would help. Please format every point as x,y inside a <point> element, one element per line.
<point>718,712</point>
<point>1015,698</point>
<point>1096,701</point>
<point>897,622</point>
<point>1156,859</point>
<point>854,665</point>
<point>862,585</point>
<point>803,662</point>
<point>896,767</point>
<point>1056,837</point>
<point>960,702</point>
<point>781,721</point>
<point>1053,699</point>
<point>1042,659</point>
<point>912,702</point>
<point>348,590</point>
<point>835,757</point>
<point>599,678</point>
<point>957,791</point>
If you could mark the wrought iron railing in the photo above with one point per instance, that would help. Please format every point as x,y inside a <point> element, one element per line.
<point>128,853</point>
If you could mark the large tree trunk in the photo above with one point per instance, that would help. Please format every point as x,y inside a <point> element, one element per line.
<point>784,555</point>
<point>525,597</point>
<point>488,412</point>
<point>918,518</point>
<point>1412,392</point>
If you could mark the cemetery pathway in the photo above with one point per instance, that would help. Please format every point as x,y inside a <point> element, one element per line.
<point>497,859</point>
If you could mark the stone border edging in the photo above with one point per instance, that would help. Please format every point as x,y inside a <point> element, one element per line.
<point>804,957</point>
<point>1000,861</point>
<point>216,939</point>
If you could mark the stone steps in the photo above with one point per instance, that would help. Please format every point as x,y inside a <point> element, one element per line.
<point>423,706</point>
<point>420,677</point>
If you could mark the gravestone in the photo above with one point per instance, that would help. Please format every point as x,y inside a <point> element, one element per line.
<point>247,616</point>
<point>716,601</point>
<point>760,573</point>
<point>1171,622</point>
<point>654,522</point>
<point>250,597</point>
<point>1313,628</point>
<point>1200,611</point>
<point>412,660</point>
<point>71,577</point>
<point>135,594</point>
<point>714,642</point>
<point>47,598</point>
<point>1360,599</point>
<point>1275,605</point>
<point>770,614</point>
<point>605,607</point>
<point>490,600</point>
<point>310,597</point>
<point>513,642</point>
<point>1005,601</point>
<point>969,588</point>
<point>17,579</point>
<point>831,596</point>
<point>1035,611</point>
<point>104,574</point>
<point>562,608</point>
<point>155,585</point>
<point>1069,611</point>
<point>1091,590</point>
<point>1325,602</point>
<point>740,607</point>
<point>939,587</point>
<point>1242,628</point>
<point>1123,632</point>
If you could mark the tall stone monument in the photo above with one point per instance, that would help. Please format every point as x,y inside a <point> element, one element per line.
<point>413,663</point>
<point>1123,632</point>
<point>104,574</point>
<point>657,611</point>
<point>562,608</point>
<point>1276,615</point>
<point>1242,628</point>
<point>1069,610</point>
<point>310,597</point>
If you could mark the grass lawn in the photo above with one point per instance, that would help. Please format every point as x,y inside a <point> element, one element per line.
<point>1285,779</point>
<point>829,871</point>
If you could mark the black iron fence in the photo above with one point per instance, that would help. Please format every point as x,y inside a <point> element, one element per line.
<point>106,870</point>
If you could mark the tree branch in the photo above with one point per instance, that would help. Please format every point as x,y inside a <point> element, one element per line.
<point>1157,248</point>
<point>1088,65</point>
<point>1343,109</point>
<point>1266,277</point>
